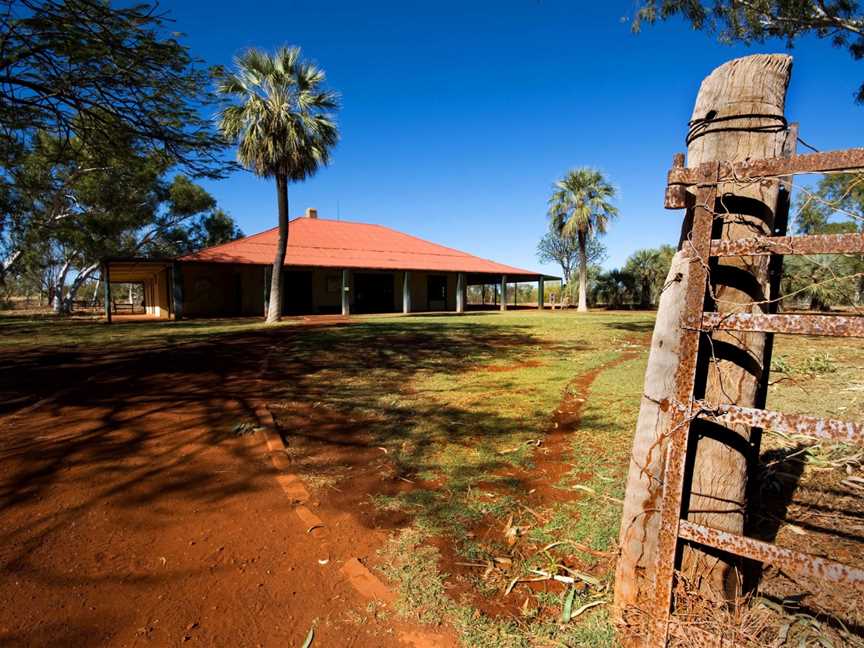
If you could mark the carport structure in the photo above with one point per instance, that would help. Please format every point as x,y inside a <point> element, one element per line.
<point>156,276</point>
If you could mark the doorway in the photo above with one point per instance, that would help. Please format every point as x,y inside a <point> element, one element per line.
<point>436,292</point>
<point>373,293</point>
<point>297,291</point>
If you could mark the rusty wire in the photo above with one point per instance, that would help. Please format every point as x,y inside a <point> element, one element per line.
<point>685,407</point>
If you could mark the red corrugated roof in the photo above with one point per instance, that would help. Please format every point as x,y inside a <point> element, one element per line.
<point>318,242</point>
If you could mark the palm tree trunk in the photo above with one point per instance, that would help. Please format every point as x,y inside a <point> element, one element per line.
<point>274,308</point>
<point>583,272</point>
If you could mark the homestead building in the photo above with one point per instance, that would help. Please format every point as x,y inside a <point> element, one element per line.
<point>331,267</point>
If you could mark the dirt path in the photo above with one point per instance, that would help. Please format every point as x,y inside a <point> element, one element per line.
<point>549,464</point>
<point>537,487</point>
<point>136,512</point>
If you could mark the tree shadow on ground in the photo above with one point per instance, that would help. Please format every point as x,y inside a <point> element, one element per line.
<point>631,327</point>
<point>347,404</point>
<point>133,423</point>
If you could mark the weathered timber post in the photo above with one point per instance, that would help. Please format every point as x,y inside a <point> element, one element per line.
<point>460,292</point>
<point>106,275</point>
<point>346,281</point>
<point>540,283</point>
<point>406,292</point>
<point>503,292</point>
<point>738,114</point>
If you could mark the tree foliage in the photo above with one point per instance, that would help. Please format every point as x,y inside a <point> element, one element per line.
<point>614,288</point>
<point>564,251</point>
<point>639,282</point>
<point>749,21</point>
<point>282,120</point>
<point>75,67</point>
<point>98,104</point>
<point>78,201</point>
<point>649,267</point>
<point>820,282</point>
<point>581,203</point>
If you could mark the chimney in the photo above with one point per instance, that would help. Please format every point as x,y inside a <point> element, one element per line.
<point>311,212</point>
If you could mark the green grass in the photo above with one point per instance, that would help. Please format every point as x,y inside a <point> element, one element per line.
<point>458,404</point>
<point>820,376</point>
<point>38,333</point>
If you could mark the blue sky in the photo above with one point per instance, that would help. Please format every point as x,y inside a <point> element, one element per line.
<point>457,116</point>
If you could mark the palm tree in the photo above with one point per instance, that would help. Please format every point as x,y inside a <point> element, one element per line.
<point>284,129</point>
<point>580,207</point>
<point>646,267</point>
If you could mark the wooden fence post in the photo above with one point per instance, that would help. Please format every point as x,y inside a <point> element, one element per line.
<point>738,114</point>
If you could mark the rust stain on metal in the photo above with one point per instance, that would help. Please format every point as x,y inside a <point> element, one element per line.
<point>676,194</point>
<point>786,559</point>
<point>813,426</point>
<point>767,245</point>
<point>830,325</point>
<point>679,423</point>
<point>679,194</point>
<point>749,170</point>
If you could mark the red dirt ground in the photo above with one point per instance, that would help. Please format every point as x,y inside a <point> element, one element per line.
<point>133,513</point>
<point>330,445</point>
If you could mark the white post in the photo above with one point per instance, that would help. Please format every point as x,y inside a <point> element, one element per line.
<point>460,292</point>
<point>346,304</point>
<point>503,292</point>
<point>406,292</point>
<point>540,293</point>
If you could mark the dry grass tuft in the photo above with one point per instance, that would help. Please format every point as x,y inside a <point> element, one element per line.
<point>704,620</point>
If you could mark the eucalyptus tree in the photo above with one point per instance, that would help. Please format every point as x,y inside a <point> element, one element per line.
<point>73,67</point>
<point>580,208</point>
<point>754,21</point>
<point>281,118</point>
<point>78,201</point>
<point>72,70</point>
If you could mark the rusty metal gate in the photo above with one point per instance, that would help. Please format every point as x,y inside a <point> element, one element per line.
<point>704,181</point>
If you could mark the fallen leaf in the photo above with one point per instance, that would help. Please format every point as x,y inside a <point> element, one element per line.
<point>567,612</point>
<point>309,638</point>
<point>582,609</point>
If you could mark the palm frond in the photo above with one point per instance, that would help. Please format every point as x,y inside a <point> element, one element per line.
<point>279,114</point>
<point>581,203</point>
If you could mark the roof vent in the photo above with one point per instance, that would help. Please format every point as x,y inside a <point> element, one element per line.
<point>311,212</point>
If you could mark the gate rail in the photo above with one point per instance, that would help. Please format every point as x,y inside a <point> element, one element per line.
<point>684,407</point>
